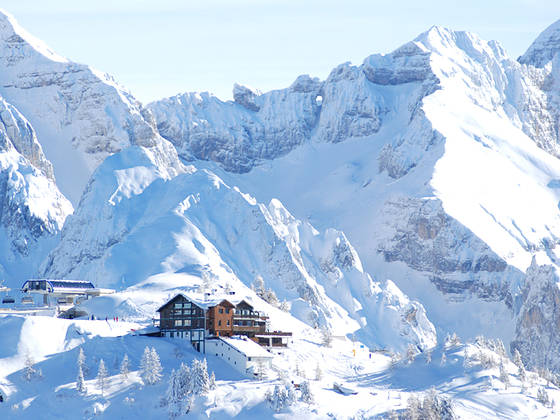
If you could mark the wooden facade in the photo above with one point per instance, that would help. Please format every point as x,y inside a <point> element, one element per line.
<point>181,318</point>
<point>186,318</point>
<point>219,319</point>
<point>247,321</point>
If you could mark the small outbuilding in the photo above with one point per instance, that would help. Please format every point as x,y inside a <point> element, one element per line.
<point>63,292</point>
<point>242,353</point>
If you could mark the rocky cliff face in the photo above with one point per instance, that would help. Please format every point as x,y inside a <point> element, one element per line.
<point>81,115</point>
<point>16,133</point>
<point>238,135</point>
<point>539,319</point>
<point>458,263</point>
<point>544,49</point>
<point>32,210</point>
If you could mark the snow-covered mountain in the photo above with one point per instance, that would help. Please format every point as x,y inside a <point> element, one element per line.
<point>431,172</point>
<point>134,222</point>
<point>438,160</point>
<point>80,114</point>
<point>32,209</point>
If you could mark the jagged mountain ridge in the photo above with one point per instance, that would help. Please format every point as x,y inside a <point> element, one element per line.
<point>448,119</point>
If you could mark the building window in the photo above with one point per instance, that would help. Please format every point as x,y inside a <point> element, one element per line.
<point>249,359</point>
<point>228,322</point>
<point>178,305</point>
<point>187,322</point>
<point>178,323</point>
<point>227,311</point>
<point>221,310</point>
<point>171,334</point>
<point>219,323</point>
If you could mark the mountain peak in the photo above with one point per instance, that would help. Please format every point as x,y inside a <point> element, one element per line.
<point>544,48</point>
<point>12,34</point>
<point>441,39</point>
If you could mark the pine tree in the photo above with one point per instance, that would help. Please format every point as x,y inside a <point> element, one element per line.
<point>542,397</point>
<point>29,371</point>
<point>102,376</point>
<point>500,348</point>
<point>504,376</point>
<point>290,393</point>
<point>156,366</point>
<point>150,366</point>
<point>212,381</point>
<point>265,294</point>
<point>125,368</point>
<point>80,382</point>
<point>277,399</point>
<point>413,409</point>
<point>82,361</point>
<point>306,395</point>
<point>318,373</point>
<point>258,286</point>
<point>284,306</point>
<point>199,377</point>
<point>145,364</point>
<point>326,336</point>
<point>184,379</point>
<point>522,373</point>
<point>517,358</point>
<point>174,397</point>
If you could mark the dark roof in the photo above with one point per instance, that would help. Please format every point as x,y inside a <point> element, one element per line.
<point>227,303</point>
<point>244,303</point>
<point>174,298</point>
<point>72,284</point>
<point>61,283</point>
<point>202,302</point>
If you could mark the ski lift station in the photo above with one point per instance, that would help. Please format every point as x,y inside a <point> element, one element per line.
<point>63,292</point>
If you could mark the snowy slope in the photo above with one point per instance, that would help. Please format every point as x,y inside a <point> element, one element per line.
<point>437,160</point>
<point>134,222</point>
<point>32,210</point>
<point>434,168</point>
<point>81,115</point>
<point>382,386</point>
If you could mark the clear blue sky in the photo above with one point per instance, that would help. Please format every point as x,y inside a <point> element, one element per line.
<point>160,48</point>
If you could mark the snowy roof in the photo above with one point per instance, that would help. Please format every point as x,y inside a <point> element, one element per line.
<point>74,284</point>
<point>64,284</point>
<point>204,301</point>
<point>246,346</point>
